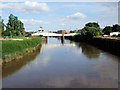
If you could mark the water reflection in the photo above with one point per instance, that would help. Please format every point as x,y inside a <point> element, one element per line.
<point>16,65</point>
<point>67,65</point>
<point>89,51</point>
<point>62,41</point>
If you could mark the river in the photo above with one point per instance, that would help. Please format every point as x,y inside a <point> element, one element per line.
<point>63,65</point>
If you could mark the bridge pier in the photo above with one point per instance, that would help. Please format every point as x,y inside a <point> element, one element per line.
<point>46,39</point>
<point>62,38</point>
<point>63,35</point>
<point>62,41</point>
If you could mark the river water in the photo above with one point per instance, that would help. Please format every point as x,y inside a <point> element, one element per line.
<point>63,65</point>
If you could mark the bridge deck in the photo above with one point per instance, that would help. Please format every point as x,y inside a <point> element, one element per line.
<point>54,34</point>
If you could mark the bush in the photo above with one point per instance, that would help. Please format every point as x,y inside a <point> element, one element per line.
<point>90,32</point>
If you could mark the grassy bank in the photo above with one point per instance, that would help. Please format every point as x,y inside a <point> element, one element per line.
<point>13,49</point>
<point>22,38</point>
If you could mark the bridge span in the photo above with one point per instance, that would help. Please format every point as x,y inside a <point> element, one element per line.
<point>47,34</point>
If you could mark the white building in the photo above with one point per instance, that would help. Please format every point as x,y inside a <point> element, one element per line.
<point>40,29</point>
<point>114,33</point>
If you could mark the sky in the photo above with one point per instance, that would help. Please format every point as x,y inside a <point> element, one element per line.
<point>54,16</point>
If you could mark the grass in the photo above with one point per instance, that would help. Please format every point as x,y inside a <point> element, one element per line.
<point>19,38</point>
<point>13,48</point>
<point>22,38</point>
<point>110,37</point>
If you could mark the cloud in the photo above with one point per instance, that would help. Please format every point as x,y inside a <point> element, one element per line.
<point>77,15</point>
<point>33,21</point>
<point>32,24</point>
<point>27,7</point>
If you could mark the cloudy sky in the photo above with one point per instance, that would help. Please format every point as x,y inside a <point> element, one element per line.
<point>53,16</point>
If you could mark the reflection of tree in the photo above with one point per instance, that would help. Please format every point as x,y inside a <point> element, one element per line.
<point>16,65</point>
<point>89,51</point>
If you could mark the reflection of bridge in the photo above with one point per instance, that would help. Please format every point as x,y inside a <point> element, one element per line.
<point>53,34</point>
<point>58,45</point>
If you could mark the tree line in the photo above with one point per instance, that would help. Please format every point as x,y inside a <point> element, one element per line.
<point>108,29</point>
<point>92,29</point>
<point>14,27</point>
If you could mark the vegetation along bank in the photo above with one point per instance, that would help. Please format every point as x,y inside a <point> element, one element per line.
<point>92,34</point>
<point>14,49</point>
<point>16,42</point>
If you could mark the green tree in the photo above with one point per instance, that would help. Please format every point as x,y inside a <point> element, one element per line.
<point>21,28</point>
<point>15,26</point>
<point>10,33</point>
<point>2,25</point>
<point>7,31</point>
<point>19,33</point>
<point>116,28</point>
<point>90,30</point>
<point>16,23</point>
<point>11,23</point>
<point>71,31</point>
<point>93,24</point>
<point>107,30</point>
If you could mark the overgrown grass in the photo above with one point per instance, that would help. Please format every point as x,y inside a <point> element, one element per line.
<point>13,48</point>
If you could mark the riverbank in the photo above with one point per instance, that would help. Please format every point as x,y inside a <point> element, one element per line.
<point>107,44</point>
<point>14,49</point>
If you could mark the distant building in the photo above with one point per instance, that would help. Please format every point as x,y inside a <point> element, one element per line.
<point>114,33</point>
<point>64,31</point>
<point>41,29</point>
<point>77,30</point>
<point>68,31</point>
